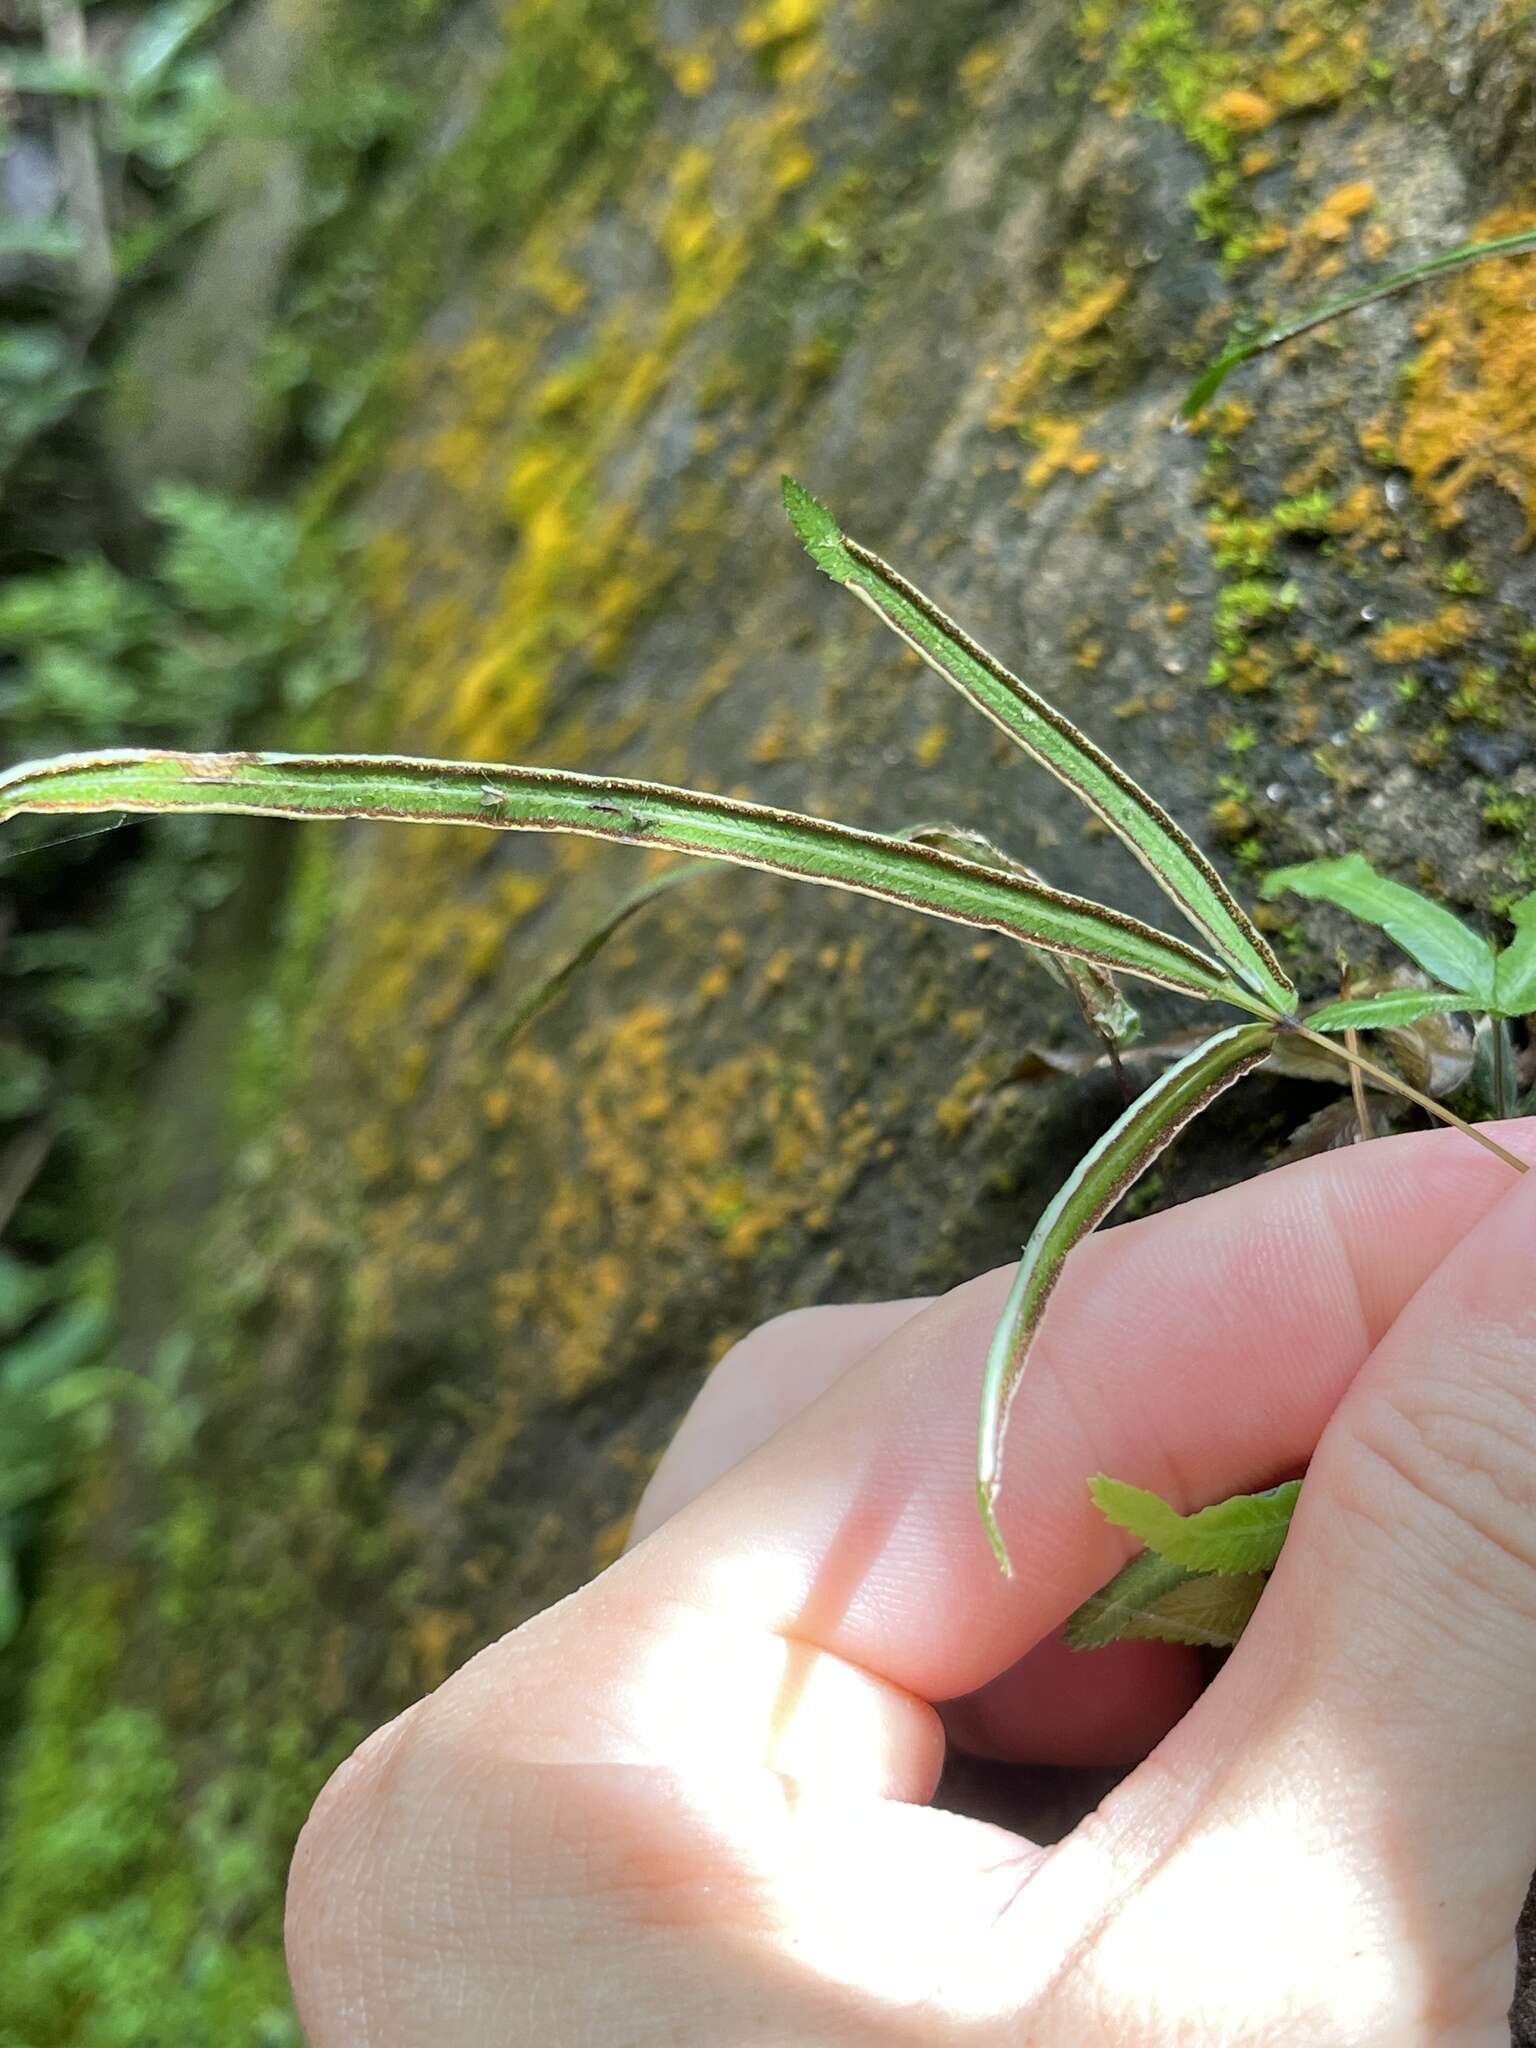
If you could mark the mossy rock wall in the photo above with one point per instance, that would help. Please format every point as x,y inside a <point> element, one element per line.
<point>441,1298</point>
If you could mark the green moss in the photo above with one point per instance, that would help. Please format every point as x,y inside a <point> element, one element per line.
<point>1177,70</point>
<point>571,101</point>
<point>135,1912</point>
<point>1246,544</point>
<point>1315,512</point>
<point>1478,697</point>
<point>1243,607</point>
<point>1463,579</point>
<point>1504,811</point>
<point>1222,72</point>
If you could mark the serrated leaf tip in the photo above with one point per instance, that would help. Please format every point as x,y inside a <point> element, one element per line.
<point>818,532</point>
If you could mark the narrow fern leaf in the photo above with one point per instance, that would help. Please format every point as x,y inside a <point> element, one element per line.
<point>549,991</point>
<point>1427,932</point>
<point>1390,1012</point>
<point>1515,986</point>
<point>1207,1612</point>
<point>1241,1534</point>
<point>411,791</point>
<point>1107,1172</point>
<point>1211,380</point>
<point>1129,1597</point>
<point>1161,845</point>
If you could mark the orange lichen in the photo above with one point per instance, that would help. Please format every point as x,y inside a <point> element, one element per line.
<point>1243,111</point>
<point>1449,629</point>
<point>930,745</point>
<point>1469,414</point>
<point>1327,227</point>
<point>1335,218</point>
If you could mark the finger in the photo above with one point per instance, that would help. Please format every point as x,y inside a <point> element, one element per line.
<point>759,1385</point>
<point>1368,1757</point>
<point>1407,1607</point>
<point>1052,1707</point>
<point>807,1608</point>
<point>1197,1352</point>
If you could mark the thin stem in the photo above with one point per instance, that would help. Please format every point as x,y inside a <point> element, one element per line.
<point>1122,1078</point>
<point>1502,1104</point>
<point>1401,1087</point>
<point>1357,1089</point>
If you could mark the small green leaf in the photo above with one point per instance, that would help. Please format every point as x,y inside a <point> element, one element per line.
<point>1129,1597</point>
<point>1207,1612</point>
<point>1427,932</point>
<point>510,799</point>
<point>1107,1171</point>
<point>159,39</point>
<point>1385,1013</point>
<point>1241,1534</point>
<point>1210,382</point>
<point>1161,845</point>
<point>1515,988</point>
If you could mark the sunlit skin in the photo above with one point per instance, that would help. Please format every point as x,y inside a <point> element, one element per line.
<point>687,1805</point>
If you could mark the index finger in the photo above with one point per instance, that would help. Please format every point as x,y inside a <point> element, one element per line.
<point>1198,1352</point>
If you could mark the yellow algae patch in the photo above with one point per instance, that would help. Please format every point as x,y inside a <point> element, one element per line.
<point>792,165</point>
<point>957,1111</point>
<point>513,565</point>
<point>930,746</point>
<point>693,71</point>
<point>1469,415</point>
<point>978,69</point>
<point>1076,339</point>
<point>772,22</point>
<point>1061,452</point>
<point>1072,342</point>
<point>690,220</point>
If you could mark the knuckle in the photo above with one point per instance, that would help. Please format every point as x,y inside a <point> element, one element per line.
<point>1453,1458</point>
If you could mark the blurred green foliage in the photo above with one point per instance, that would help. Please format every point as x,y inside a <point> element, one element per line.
<point>181,620</point>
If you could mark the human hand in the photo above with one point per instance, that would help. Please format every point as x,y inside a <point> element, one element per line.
<point>686,1805</point>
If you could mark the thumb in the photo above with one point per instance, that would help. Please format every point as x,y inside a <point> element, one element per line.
<point>1369,1754</point>
<point>1409,1604</point>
